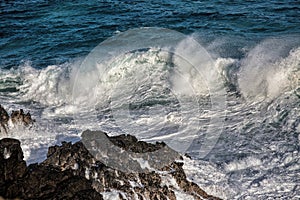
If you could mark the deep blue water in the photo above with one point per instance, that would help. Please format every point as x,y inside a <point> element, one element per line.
<point>254,44</point>
<point>52,32</point>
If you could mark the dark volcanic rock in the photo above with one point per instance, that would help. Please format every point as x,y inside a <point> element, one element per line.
<point>4,117</point>
<point>38,181</point>
<point>71,172</point>
<point>125,153</point>
<point>130,143</point>
<point>19,117</point>
<point>12,166</point>
<point>146,185</point>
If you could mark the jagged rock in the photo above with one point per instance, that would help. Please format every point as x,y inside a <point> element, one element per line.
<point>71,172</point>
<point>12,166</point>
<point>187,186</point>
<point>126,153</point>
<point>38,181</point>
<point>47,182</point>
<point>143,185</point>
<point>130,143</point>
<point>4,117</point>
<point>19,117</point>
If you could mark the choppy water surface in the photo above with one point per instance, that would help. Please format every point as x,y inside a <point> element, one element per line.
<point>255,45</point>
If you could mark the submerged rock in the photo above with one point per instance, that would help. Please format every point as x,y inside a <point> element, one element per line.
<point>17,118</point>
<point>72,172</point>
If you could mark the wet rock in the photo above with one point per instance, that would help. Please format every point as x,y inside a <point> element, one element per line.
<point>4,117</point>
<point>187,186</point>
<point>126,153</point>
<point>146,185</point>
<point>72,172</point>
<point>38,181</point>
<point>12,166</point>
<point>130,143</point>
<point>19,117</point>
<point>46,182</point>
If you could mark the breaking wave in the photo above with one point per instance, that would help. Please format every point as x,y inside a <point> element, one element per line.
<point>261,129</point>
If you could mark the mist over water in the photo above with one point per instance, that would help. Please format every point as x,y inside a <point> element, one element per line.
<point>255,47</point>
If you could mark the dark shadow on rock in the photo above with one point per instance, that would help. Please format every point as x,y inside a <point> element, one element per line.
<point>38,181</point>
<point>72,172</point>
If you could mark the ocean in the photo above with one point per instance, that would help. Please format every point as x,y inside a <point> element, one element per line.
<point>216,80</point>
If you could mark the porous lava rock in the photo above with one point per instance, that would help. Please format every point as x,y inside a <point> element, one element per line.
<point>70,171</point>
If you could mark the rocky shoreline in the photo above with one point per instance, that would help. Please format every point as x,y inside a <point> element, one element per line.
<point>70,171</point>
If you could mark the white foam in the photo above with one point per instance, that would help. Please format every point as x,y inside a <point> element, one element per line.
<point>248,162</point>
<point>113,194</point>
<point>6,153</point>
<point>168,180</point>
<point>87,173</point>
<point>224,65</point>
<point>211,179</point>
<point>266,72</point>
<point>48,86</point>
<point>143,163</point>
<point>181,195</point>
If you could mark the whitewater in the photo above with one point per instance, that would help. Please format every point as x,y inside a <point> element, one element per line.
<point>256,154</point>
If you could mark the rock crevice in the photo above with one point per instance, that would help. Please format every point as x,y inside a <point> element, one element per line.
<point>71,172</point>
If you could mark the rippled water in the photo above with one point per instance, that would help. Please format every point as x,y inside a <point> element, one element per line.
<point>52,32</point>
<point>255,45</point>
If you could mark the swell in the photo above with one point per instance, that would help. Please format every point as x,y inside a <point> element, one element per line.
<point>265,72</point>
<point>259,143</point>
<point>139,90</point>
